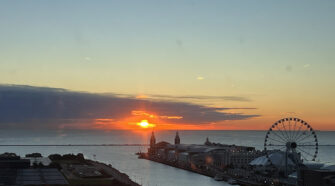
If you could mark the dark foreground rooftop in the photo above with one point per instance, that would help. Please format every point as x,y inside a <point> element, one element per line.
<point>42,176</point>
<point>67,169</point>
<point>45,176</point>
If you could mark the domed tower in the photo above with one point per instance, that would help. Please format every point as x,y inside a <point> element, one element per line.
<point>152,140</point>
<point>177,139</point>
<point>152,148</point>
<point>208,143</point>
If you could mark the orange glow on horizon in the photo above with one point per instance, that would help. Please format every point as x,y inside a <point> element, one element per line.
<point>141,96</point>
<point>133,125</point>
<point>138,120</point>
<point>150,115</point>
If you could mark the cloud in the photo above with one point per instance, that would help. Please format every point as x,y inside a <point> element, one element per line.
<point>307,65</point>
<point>200,97</point>
<point>88,59</point>
<point>40,107</point>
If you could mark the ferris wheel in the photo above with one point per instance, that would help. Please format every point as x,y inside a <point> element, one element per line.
<point>293,136</point>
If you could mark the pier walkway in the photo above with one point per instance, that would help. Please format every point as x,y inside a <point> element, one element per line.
<point>64,145</point>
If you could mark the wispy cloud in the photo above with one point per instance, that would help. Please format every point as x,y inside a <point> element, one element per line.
<point>307,65</point>
<point>200,97</point>
<point>26,106</point>
<point>200,78</point>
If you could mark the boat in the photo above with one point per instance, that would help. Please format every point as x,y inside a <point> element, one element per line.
<point>232,181</point>
<point>219,177</point>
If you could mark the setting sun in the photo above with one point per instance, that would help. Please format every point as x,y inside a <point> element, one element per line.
<point>145,124</point>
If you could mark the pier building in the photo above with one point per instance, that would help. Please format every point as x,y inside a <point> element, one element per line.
<point>245,165</point>
<point>209,155</point>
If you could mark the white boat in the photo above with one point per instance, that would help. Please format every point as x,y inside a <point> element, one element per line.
<point>219,177</point>
<point>232,181</point>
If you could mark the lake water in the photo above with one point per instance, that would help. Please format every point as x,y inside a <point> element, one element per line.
<point>124,159</point>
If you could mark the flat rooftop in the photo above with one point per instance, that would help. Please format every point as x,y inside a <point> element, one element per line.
<point>42,176</point>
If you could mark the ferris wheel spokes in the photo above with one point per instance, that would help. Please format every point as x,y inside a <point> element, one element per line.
<point>294,136</point>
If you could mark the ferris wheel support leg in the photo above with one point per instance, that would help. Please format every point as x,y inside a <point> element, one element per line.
<point>286,157</point>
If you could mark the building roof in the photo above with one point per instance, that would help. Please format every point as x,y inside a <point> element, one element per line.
<point>9,156</point>
<point>191,148</point>
<point>328,167</point>
<point>40,177</point>
<point>276,158</point>
<point>162,144</point>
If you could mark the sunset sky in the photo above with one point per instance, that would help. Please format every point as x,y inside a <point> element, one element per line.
<point>178,64</point>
